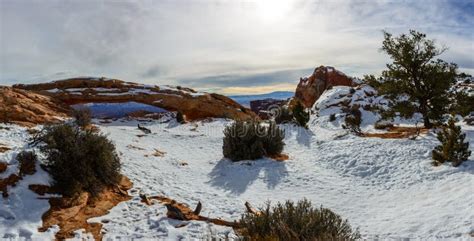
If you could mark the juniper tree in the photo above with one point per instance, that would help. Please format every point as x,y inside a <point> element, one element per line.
<point>453,148</point>
<point>416,77</point>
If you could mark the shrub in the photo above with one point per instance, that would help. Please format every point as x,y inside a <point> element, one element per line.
<point>353,119</point>
<point>284,115</point>
<point>27,162</point>
<point>79,160</point>
<point>252,140</point>
<point>180,117</point>
<point>82,116</point>
<point>300,115</point>
<point>273,140</point>
<point>453,148</point>
<point>298,221</point>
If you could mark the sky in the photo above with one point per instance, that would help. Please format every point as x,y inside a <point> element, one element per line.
<point>223,46</point>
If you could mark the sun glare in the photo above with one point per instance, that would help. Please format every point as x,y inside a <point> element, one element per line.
<point>273,10</point>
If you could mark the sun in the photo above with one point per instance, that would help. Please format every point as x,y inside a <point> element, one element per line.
<point>271,11</point>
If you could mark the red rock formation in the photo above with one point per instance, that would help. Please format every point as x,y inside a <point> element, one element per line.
<point>27,108</point>
<point>192,104</point>
<point>310,88</point>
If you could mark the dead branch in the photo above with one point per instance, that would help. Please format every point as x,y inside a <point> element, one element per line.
<point>144,129</point>
<point>252,210</point>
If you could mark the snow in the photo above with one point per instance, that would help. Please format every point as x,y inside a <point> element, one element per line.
<point>385,187</point>
<point>20,213</point>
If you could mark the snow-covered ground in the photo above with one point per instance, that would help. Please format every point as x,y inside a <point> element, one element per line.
<point>385,187</point>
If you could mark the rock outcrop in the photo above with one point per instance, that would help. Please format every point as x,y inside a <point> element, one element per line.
<point>194,105</point>
<point>267,107</point>
<point>324,77</point>
<point>28,108</point>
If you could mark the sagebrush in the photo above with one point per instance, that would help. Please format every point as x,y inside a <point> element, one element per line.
<point>82,117</point>
<point>78,160</point>
<point>252,140</point>
<point>299,222</point>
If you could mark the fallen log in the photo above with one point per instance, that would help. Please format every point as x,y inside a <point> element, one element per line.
<point>144,129</point>
<point>181,211</point>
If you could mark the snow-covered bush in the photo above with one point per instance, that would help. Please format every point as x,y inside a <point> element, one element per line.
<point>82,117</point>
<point>79,160</point>
<point>27,162</point>
<point>300,221</point>
<point>252,140</point>
<point>453,148</point>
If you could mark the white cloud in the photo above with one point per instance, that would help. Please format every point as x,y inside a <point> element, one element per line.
<point>168,41</point>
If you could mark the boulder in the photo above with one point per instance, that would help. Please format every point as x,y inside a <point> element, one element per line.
<point>310,88</point>
<point>28,108</point>
<point>194,105</point>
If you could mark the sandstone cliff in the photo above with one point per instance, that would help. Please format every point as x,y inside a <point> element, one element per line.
<point>324,77</point>
<point>27,108</point>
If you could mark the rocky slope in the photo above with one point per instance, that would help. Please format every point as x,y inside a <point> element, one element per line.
<point>192,104</point>
<point>28,108</point>
<point>310,88</point>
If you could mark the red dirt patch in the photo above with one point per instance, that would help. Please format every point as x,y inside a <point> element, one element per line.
<point>71,214</point>
<point>3,167</point>
<point>41,189</point>
<point>280,157</point>
<point>11,180</point>
<point>4,148</point>
<point>397,132</point>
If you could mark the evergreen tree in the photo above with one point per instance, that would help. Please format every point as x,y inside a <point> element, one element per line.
<point>300,115</point>
<point>453,148</point>
<point>462,103</point>
<point>415,76</point>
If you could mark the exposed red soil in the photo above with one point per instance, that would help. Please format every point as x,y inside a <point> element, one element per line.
<point>3,167</point>
<point>4,148</point>
<point>71,214</point>
<point>397,132</point>
<point>11,180</point>
<point>280,157</point>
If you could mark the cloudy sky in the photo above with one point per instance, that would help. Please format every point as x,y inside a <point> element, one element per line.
<point>223,46</point>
